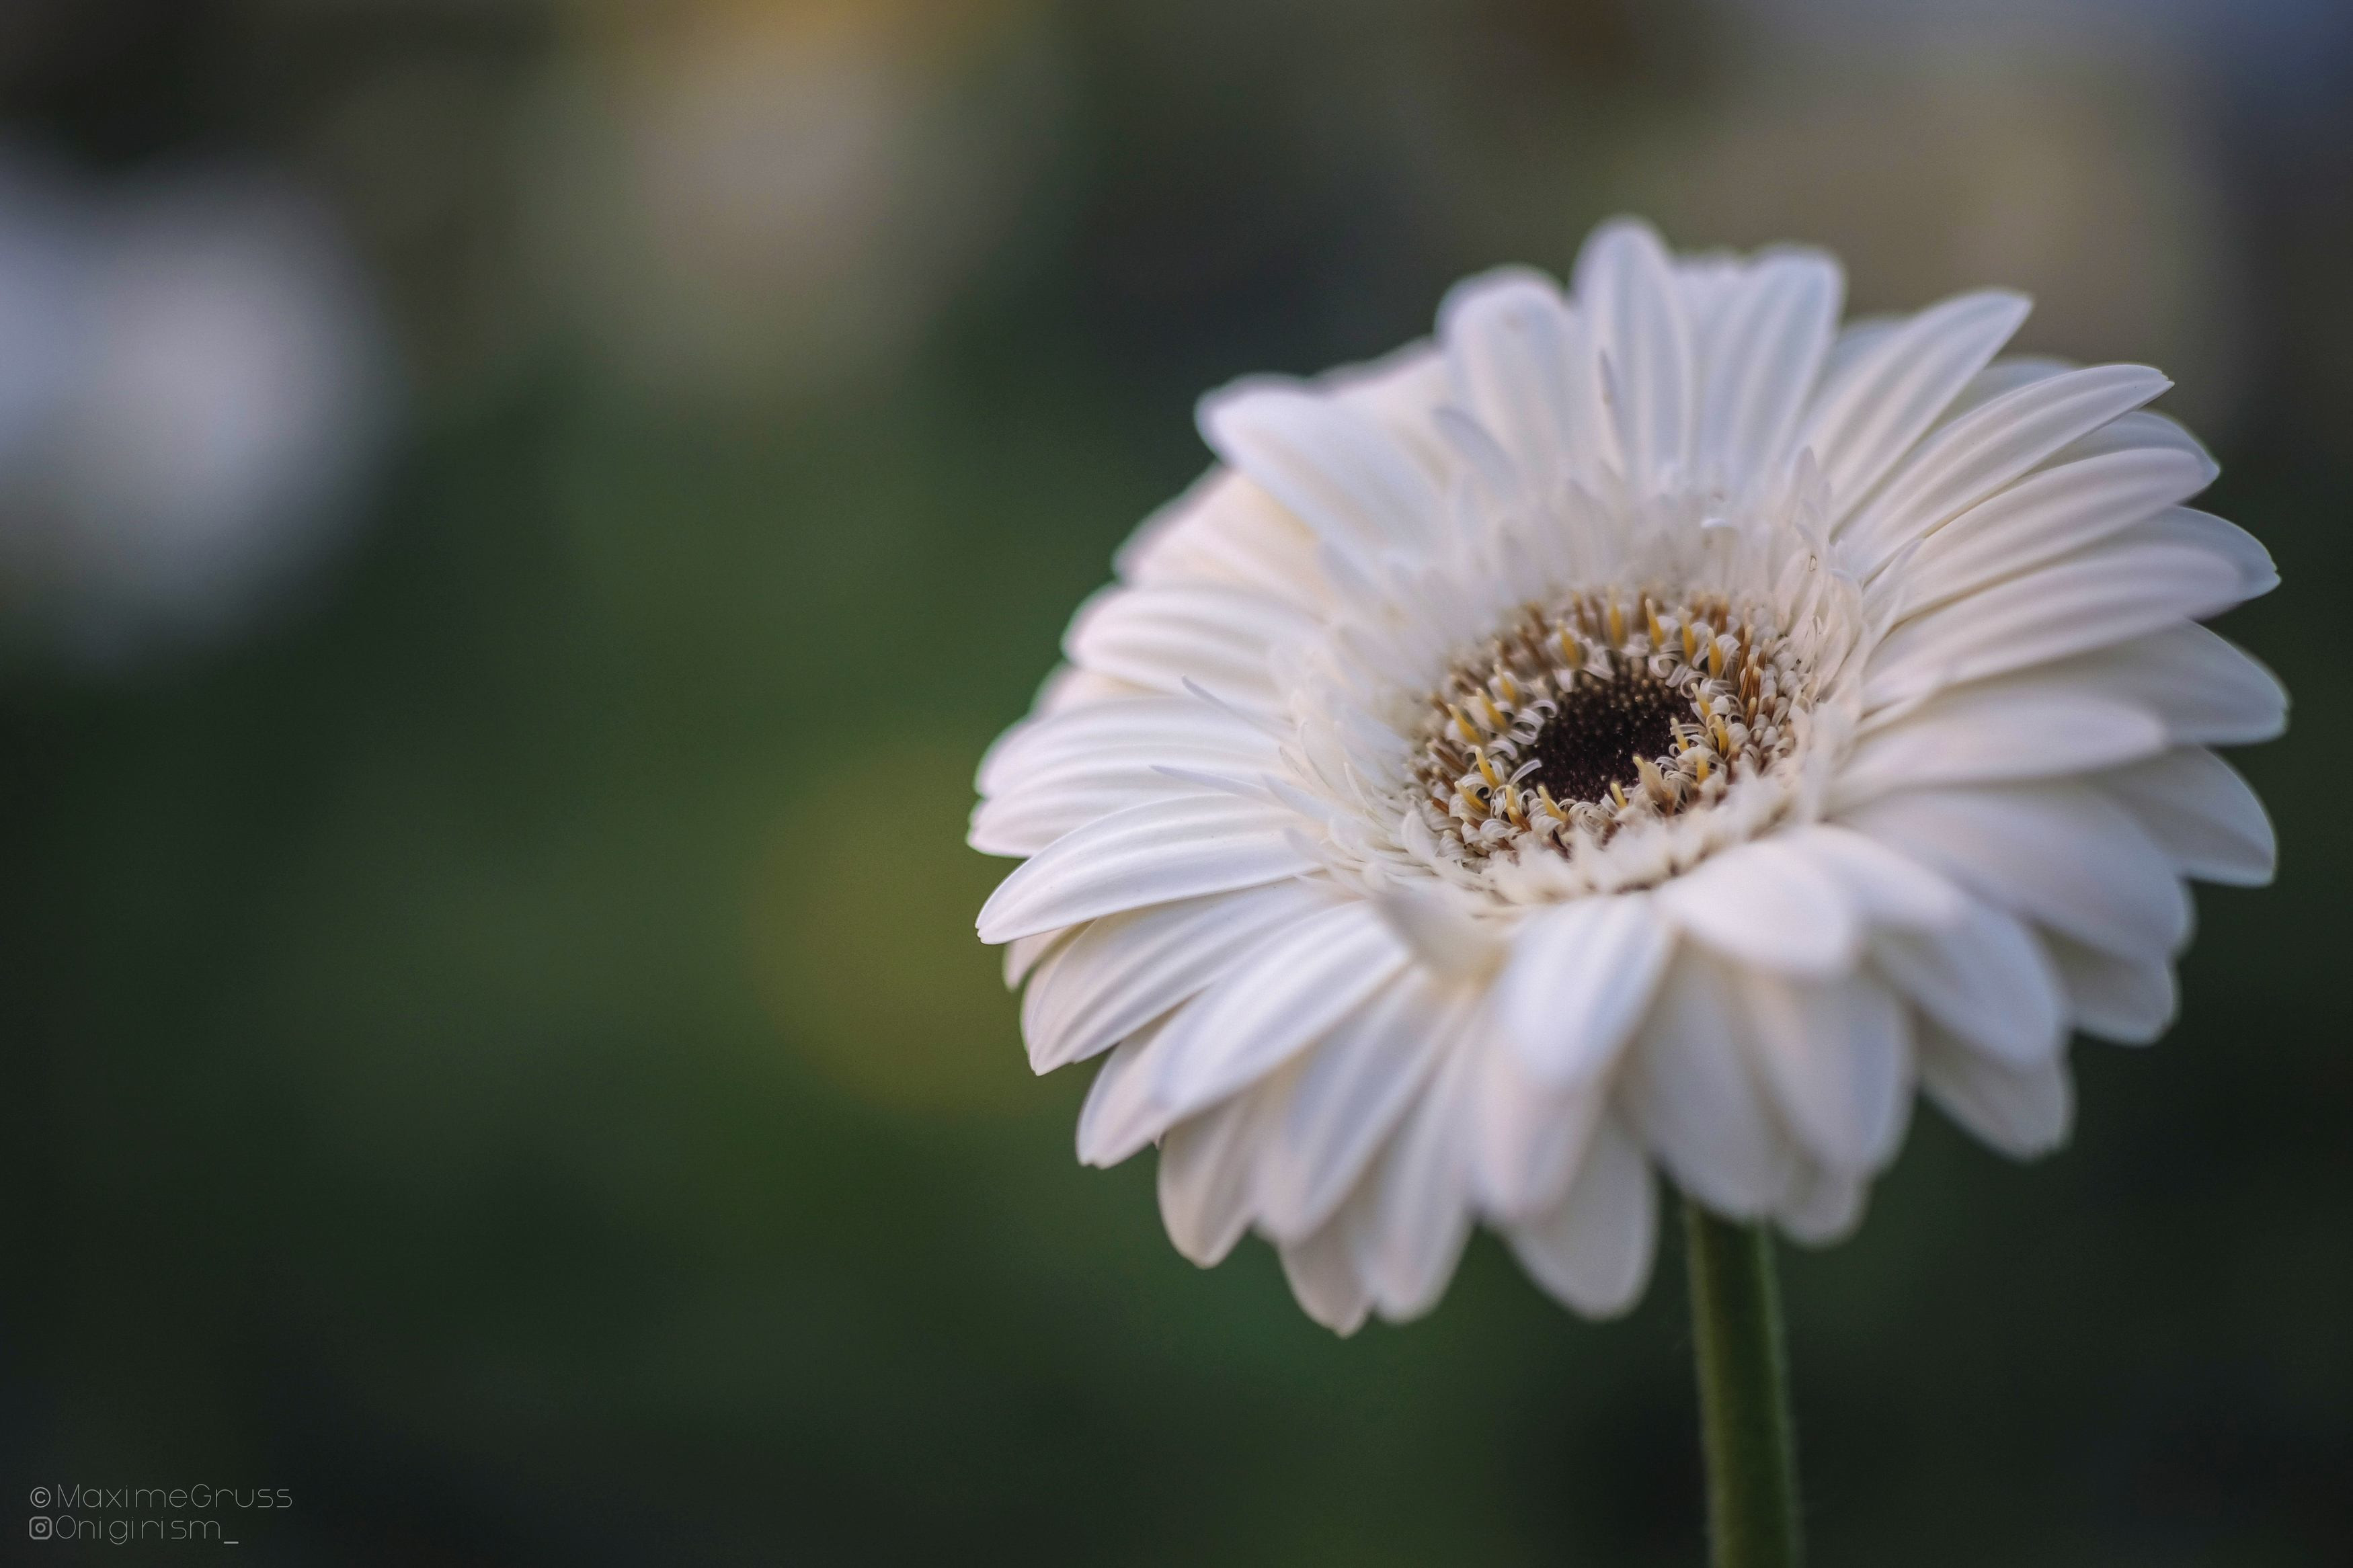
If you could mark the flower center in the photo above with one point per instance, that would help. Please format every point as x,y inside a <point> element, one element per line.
<point>1597,730</point>
<point>1607,711</point>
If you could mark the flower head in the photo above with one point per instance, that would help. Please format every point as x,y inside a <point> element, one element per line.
<point>1649,724</point>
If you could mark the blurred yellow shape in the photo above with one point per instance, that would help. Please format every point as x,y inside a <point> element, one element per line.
<point>861,944</point>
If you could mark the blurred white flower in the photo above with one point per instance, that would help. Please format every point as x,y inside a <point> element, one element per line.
<point>1650,724</point>
<point>193,378</point>
<point>731,197</point>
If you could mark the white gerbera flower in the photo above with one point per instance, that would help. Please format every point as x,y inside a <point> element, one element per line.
<point>1649,724</point>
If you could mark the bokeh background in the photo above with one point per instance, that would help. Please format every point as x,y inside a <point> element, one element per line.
<point>517,518</point>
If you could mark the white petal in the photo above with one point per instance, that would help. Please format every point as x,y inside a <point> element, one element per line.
<point>1439,934</point>
<point>1625,286</point>
<point>1022,955</point>
<point>1401,392</point>
<point>1118,1118</point>
<point>1858,337</point>
<point>1996,731</point>
<point>1023,823</point>
<point>1837,1057</point>
<point>1986,979</point>
<point>2063,855</point>
<point>1530,1136</point>
<point>1579,978</point>
<point>2218,536</point>
<point>1885,886</point>
<point>2023,1112</point>
<point>1160,638</point>
<point>1224,531</point>
<point>2130,432</point>
<point>2201,812</point>
<point>1204,1178</point>
<point>1688,1087</point>
<point>2208,691</point>
<point>2049,515</point>
<point>1977,454</point>
<point>1057,774</point>
<point>1166,849</point>
<point>1285,996</point>
<point>1824,1205</point>
<point>1122,971</point>
<point>2005,375</point>
<point>1067,689</point>
<point>2085,602</point>
<point>1508,338</point>
<point>1416,1215</point>
<point>1349,1093</point>
<point>1869,411</point>
<point>1179,730</point>
<point>1593,1251</point>
<point>1339,472</point>
<point>2129,1000</point>
<point>1759,357</point>
<point>1766,903</point>
<point>1706,283</point>
<point>1326,1282</point>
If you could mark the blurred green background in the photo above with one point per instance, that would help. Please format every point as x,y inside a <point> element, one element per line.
<point>493,1039</point>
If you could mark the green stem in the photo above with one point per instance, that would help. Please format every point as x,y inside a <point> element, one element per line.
<point>1743,1395</point>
